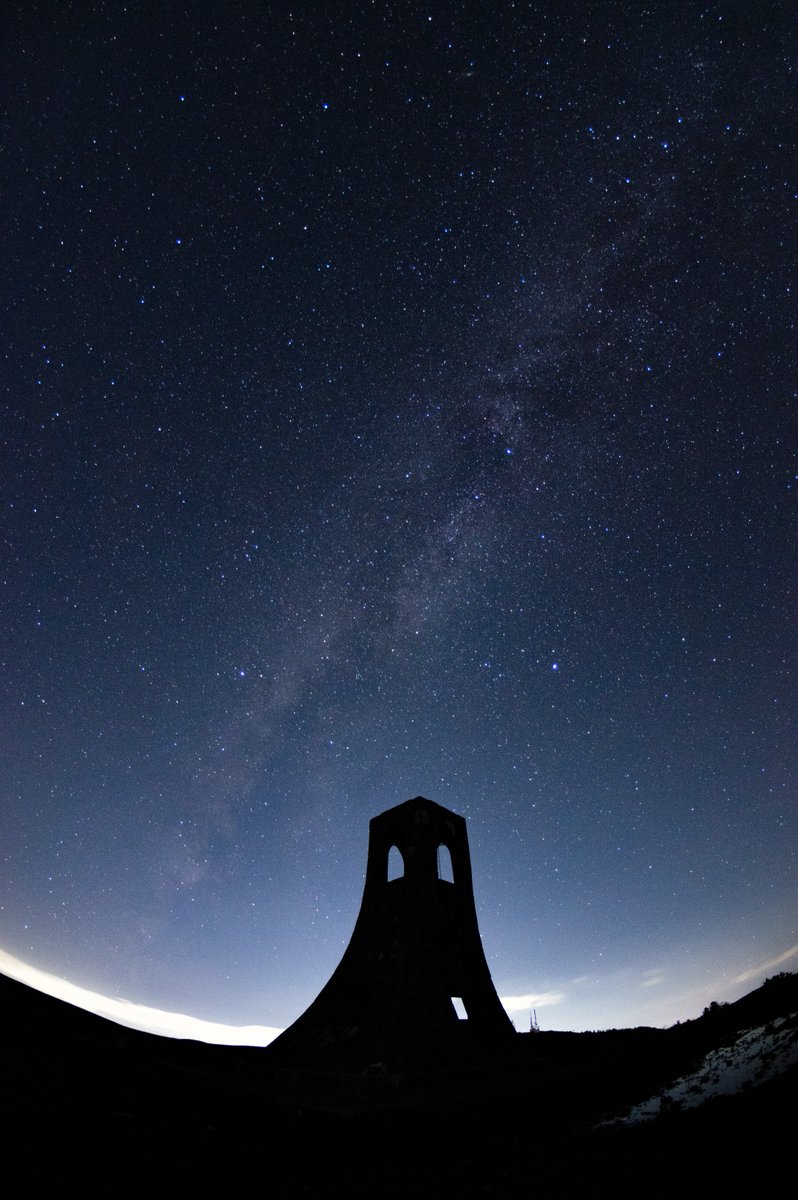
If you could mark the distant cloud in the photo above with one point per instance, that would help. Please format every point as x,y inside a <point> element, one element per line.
<point>137,1016</point>
<point>531,1000</point>
<point>760,969</point>
<point>652,978</point>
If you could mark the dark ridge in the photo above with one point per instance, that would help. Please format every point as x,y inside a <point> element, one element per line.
<point>90,1102</point>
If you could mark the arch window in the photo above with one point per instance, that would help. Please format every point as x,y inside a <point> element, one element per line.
<point>396,864</point>
<point>445,869</point>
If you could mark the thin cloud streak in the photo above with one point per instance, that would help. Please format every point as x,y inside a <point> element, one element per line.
<point>767,966</point>
<point>531,1000</point>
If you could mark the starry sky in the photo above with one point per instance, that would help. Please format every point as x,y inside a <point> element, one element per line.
<point>398,399</point>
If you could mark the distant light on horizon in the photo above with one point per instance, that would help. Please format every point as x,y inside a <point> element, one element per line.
<point>582,1004</point>
<point>137,1016</point>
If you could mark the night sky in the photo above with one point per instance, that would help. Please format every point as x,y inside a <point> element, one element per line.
<point>399,400</point>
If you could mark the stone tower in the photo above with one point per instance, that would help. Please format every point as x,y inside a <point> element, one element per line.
<point>415,948</point>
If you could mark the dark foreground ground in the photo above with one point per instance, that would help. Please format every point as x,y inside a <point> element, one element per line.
<point>109,1111</point>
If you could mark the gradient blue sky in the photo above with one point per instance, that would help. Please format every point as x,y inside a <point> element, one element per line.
<point>399,402</point>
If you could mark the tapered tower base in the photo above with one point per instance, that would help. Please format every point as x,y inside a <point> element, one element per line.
<point>415,952</point>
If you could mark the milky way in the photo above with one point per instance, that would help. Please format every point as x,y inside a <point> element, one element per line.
<point>399,403</point>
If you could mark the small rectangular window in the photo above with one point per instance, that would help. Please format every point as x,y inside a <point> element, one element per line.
<point>459,1008</point>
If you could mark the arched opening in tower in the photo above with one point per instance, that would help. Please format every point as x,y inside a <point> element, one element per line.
<point>396,864</point>
<point>445,869</point>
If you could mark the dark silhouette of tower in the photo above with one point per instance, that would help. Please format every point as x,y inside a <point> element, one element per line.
<point>415,948</point>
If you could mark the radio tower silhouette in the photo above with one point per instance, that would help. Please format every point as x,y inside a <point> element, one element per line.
<point>414,951</point>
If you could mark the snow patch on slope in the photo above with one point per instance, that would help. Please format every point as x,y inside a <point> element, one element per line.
<point>755,1057</point>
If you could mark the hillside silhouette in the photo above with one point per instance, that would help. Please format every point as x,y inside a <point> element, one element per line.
<point>86,1100</point>
<point>380,1088</point>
